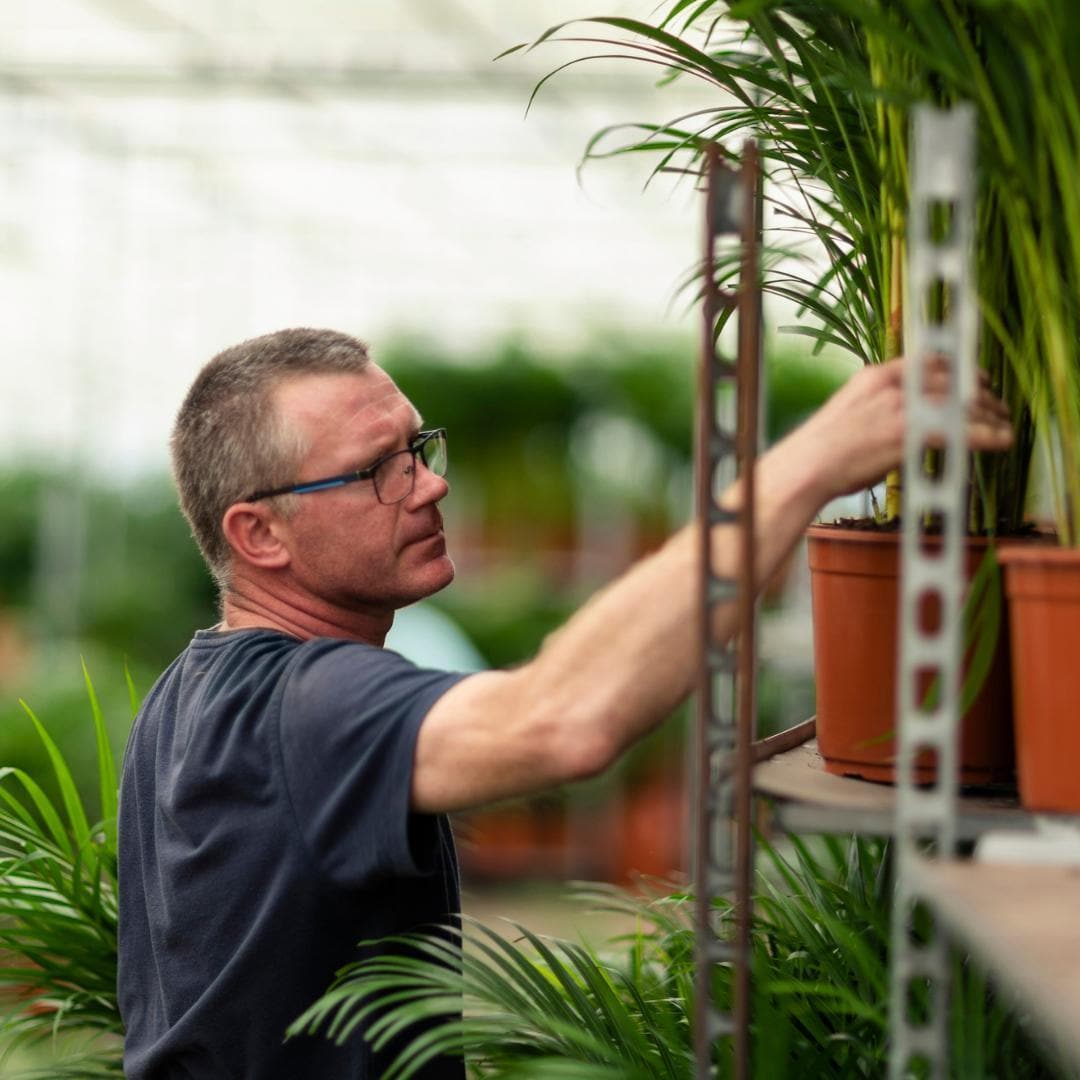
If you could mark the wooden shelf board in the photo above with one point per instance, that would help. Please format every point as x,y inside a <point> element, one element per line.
<point>809,799</point>
<point>1021,921</point>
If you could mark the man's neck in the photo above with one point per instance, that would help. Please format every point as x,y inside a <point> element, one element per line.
<point>244,608</point>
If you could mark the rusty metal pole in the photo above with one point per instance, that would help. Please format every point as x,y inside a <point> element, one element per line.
<point>726,705</point>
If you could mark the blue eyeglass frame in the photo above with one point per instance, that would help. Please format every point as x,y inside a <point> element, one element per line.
<point>415,448</point>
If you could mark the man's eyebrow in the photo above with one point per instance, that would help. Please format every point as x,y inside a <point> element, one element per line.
<point>414,429</point>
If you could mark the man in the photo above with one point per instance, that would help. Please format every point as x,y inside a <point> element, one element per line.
<point>285,784</point>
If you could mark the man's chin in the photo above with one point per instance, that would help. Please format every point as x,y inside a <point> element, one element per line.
<point>447,571</point>
<point>436,575</point>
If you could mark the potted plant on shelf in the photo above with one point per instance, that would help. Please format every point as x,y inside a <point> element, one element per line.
<point>829,86</point>
<point>1040,137</point>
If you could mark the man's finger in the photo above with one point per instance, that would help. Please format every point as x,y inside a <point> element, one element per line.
<point>989,436</point>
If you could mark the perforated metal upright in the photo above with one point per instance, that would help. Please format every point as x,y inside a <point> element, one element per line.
<point>727,447</point>
<point>940,329</point>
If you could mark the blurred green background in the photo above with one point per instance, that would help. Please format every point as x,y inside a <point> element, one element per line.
<point>563,470</point>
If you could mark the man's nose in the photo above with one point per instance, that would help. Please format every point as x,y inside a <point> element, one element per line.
<point>428,487</point>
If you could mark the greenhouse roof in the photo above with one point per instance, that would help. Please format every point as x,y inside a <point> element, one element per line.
<point>179,174</point>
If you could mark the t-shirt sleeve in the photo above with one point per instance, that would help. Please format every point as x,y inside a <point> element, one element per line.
<point>349,720</point>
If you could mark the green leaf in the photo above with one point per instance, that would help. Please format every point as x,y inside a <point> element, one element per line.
<point>68,792</point>
<point>106,764</point>
<point>133,695</point>
<point>42,804</point>
<point>58,918</point>
<point>982,626</point>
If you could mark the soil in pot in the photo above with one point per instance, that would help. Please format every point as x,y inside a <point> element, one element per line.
<point>854,576</point>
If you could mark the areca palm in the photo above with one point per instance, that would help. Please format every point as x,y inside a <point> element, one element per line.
<point>540,1008</point>
<point>58,912</point>
<point>828,86</point>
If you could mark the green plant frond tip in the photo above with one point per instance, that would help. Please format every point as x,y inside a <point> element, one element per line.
<point>68,793</point>
<point>107,784</point>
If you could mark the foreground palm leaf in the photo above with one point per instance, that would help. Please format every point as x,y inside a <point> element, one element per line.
<point>58,913</point>
<point>540,1008</point>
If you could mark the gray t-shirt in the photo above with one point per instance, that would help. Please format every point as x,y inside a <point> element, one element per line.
<point>264,831</point>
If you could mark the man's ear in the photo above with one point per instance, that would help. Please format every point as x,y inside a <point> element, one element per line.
<point>250,529</point>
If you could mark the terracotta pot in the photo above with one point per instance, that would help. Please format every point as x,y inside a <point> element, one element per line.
<point>1042,584</point>
<point>511,841</point>
<point>854,580</point>
<point>653,829</point>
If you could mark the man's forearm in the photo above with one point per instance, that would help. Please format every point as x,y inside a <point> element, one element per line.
<point>630,655</point>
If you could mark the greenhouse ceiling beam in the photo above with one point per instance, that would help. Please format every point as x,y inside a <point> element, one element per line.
<point>451,20</point>
<point>147,17</point>
<point>277,79</point>
<point>80,124</point>
<point>273,74</point>
<point>230,200</point>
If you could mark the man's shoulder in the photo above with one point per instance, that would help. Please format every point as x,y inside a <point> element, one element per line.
<point>247,678</point>
<point>216,674</point>
<point>213,655</point>
<point>238,669</point>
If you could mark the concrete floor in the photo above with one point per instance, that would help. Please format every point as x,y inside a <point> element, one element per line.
<point>548,909</point>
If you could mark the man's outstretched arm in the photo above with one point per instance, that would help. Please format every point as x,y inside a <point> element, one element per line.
<point>620,665</point>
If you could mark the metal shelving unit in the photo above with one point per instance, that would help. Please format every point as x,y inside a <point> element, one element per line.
<point>1019,919</point>
<point>940,316</point>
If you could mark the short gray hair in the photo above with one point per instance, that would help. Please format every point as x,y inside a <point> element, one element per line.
<point>229,439</point>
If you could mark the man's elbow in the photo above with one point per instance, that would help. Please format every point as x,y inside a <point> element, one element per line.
<point>579,750</point>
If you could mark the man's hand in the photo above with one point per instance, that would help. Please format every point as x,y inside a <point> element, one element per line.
<point>858,434</point>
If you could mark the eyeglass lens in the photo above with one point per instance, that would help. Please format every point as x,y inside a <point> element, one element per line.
<point>396,476</point>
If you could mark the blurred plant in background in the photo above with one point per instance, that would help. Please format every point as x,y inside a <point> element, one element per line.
<point>126,591</point>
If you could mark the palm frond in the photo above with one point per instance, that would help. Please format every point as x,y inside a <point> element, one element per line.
<point>58,911</point>
<point>539,1007</point>
<point>828,87</point>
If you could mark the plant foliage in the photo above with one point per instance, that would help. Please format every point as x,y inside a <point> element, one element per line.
<point>542,1008</point>
<point>58,912</point>
<point>828,86</point>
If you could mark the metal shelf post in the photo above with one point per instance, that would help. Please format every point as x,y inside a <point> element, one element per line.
<point>723,855</point>
<point>940,308</point>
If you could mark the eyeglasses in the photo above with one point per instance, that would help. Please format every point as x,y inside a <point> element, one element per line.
<point>394,476</point>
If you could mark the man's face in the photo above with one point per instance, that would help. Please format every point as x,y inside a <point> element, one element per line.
<point>346,547</point>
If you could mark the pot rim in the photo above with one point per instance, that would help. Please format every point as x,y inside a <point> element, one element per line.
<point>825,530</point>
<point>1041,554</point>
